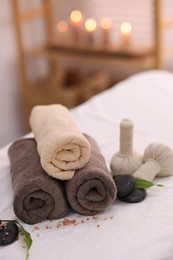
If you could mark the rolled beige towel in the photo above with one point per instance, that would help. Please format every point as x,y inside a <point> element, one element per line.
<point>61,146</point>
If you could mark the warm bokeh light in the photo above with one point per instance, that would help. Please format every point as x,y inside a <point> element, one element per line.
<point>126,28</point>
<point>62,26</point>
<point>76,16</point>
<point>106,23</point>
<point>90,25</point>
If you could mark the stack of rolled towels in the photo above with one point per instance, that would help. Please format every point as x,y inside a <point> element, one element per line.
<point>58,170</point>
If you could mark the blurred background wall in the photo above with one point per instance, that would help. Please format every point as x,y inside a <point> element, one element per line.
<point>10,110</point>
<point>10,102</point>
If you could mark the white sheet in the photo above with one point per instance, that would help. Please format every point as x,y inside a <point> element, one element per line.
<point>124,231</point>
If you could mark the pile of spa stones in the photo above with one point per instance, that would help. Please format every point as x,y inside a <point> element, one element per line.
<point>126,190</point>
<point>8,233</point>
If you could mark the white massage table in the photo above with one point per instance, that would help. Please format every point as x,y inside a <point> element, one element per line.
<point>142,231</point>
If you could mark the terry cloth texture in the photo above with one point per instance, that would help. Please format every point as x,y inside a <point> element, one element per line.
<point>61,146</point>
<point>37,196</point>
<point>92,188</point>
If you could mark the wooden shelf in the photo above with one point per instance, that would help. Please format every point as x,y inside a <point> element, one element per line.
<point>93,58</point>
<point>128,51</point>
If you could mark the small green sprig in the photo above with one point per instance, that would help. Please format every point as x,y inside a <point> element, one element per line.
<point>25,233</point>
<point>142,184</point>
<point>27,238</point>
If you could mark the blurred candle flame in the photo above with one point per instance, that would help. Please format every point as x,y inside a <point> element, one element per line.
<point>90,25</point>
<point>76,16</point>
<point>106,23</point>
<point>62,26</point>
<point>126,28</point>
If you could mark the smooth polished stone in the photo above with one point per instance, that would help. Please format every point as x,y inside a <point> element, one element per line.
<point>135,196</point>
<point>125,184</point>
<point>8,233</point>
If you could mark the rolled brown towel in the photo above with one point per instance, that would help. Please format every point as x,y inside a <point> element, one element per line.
<point>37,196</point>
<point>92,188</point>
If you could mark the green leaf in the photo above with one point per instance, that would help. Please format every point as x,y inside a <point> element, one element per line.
<point>115,176</point>
<point>160,185</point>
<point>25,233</point>
<point>141,184</point>
<point>27,238</point>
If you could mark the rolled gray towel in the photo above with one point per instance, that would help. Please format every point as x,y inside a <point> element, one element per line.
<point>37,196</point>
<point>92,188</point>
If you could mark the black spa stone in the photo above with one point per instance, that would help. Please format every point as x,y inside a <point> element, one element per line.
<point>8,233</point>
<point>125,184</point>
<point>135,196</point>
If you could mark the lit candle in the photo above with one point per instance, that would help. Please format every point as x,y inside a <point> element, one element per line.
<point>106,25</point>
<point>76,19</point>
<point>126,31</point>
<point>90,26</point>
<point>62,30</point>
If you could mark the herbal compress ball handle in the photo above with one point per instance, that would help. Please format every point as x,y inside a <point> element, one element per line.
<point>126,161</point>
<point>126,138</point>
<point>158,160</point>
